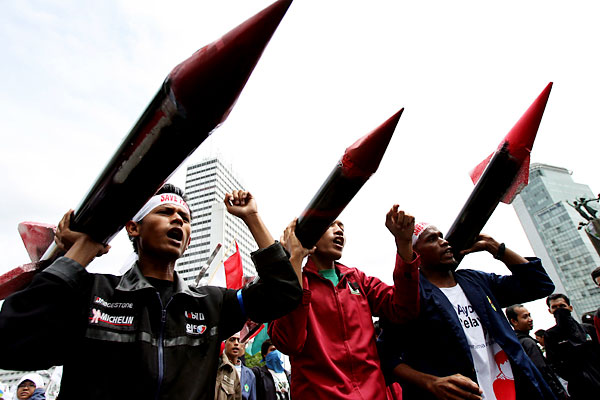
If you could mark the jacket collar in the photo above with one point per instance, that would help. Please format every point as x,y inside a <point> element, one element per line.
<point>522,334</point>
<point>134,280</point>
<point>310,267</point>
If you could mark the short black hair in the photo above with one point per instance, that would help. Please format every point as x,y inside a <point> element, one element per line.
<point>264,347</point>
<point>511,312</point>
<point>555,296</point>
<point>166,188</point>
<point>595,273</point>
<point>540,333</point>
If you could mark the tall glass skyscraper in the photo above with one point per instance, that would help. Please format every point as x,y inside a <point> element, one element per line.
<point>550,224</point>
<point>206,185</point>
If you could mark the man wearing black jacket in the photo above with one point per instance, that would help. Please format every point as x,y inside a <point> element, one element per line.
<point>521,321</point>
<point>147,334</point>
<point>573,350</point>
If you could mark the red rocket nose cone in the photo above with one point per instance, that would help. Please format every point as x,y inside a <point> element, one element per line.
<point>210,81</point>
<point>364,156</point>
<point>521,136</point>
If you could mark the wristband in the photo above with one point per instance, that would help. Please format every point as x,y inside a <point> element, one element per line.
<point>500,253</point>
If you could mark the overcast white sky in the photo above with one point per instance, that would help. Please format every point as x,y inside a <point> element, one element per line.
<point>78,74</point>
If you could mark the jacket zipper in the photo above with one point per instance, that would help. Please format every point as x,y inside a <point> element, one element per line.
<point>161,361</point>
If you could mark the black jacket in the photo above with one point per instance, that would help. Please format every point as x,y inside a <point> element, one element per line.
<point>533,351</point>
<point>572,349</point>
<point>117,340</point>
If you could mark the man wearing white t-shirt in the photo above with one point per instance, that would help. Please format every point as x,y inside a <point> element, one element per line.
<point>461,346</point>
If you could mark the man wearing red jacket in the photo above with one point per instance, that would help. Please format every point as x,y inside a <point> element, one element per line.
<point>330,337</point>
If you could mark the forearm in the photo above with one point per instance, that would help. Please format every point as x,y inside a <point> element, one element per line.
<point>405,250</point>
<point>447,387</point>
<point>84,250</point>
<point>259,231</point>
<point>406,373</point>
<point>405,301</point>
<point>53,306</point>
<point>278,291</point>
<point>507,256</point>
<point>296,261</point>
<point>406,290</point>
<point>288,333</point>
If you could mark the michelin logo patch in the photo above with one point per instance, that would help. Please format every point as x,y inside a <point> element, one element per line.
<point>99,316</point>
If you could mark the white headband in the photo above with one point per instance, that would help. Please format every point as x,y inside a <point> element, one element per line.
<point>419,228</point>
<point>159,200</point>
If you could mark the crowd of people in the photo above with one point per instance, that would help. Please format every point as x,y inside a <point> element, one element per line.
<point>442,331</point>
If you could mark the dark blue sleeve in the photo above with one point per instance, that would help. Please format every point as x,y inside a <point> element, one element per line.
<point>527,282</point>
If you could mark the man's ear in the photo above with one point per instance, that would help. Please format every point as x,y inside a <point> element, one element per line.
<point>513,324</point>
<point>188,243</point>
<point>132,228</point>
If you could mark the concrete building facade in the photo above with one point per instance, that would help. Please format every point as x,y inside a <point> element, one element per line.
<point>207,182</point>
<point>551,224</point>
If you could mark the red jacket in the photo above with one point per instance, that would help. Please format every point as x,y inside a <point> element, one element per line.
<point>330,337</point>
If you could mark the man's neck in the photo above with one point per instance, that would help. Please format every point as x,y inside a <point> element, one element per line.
<point>233,360</point>
<point>154,268</point>
<point>322,263</point>
<point>439,276</point>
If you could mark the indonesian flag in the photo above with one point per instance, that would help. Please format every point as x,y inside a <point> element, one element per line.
<point>232,274</point>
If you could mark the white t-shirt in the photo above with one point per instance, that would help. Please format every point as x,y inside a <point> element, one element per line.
<point>282,386</point>
<point>494,374</point>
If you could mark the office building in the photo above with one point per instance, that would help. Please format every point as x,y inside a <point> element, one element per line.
<point>207,182</point>
<point>551,224</point>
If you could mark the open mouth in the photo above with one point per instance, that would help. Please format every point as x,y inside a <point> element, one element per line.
<point>339,241</point>
<point>175,234</point>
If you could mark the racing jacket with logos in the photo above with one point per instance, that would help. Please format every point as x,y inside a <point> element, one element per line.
<point>330,337</point>
<point>116,338</point>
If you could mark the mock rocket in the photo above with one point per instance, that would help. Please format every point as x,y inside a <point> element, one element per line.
<point>500,177</point>
<point>195,98</point>
<point>356,166</point>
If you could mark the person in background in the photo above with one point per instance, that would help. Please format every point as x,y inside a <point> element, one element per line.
<point>31,387</point>
<point>272,380</point>
<point>234,379</point>
<point>521,321</point>
<point>572,349</point>
<point>588,318</point>
<point>540,334</point>
<point>596,279</point>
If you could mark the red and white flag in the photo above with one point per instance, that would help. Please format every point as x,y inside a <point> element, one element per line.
<point>232,274</point>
